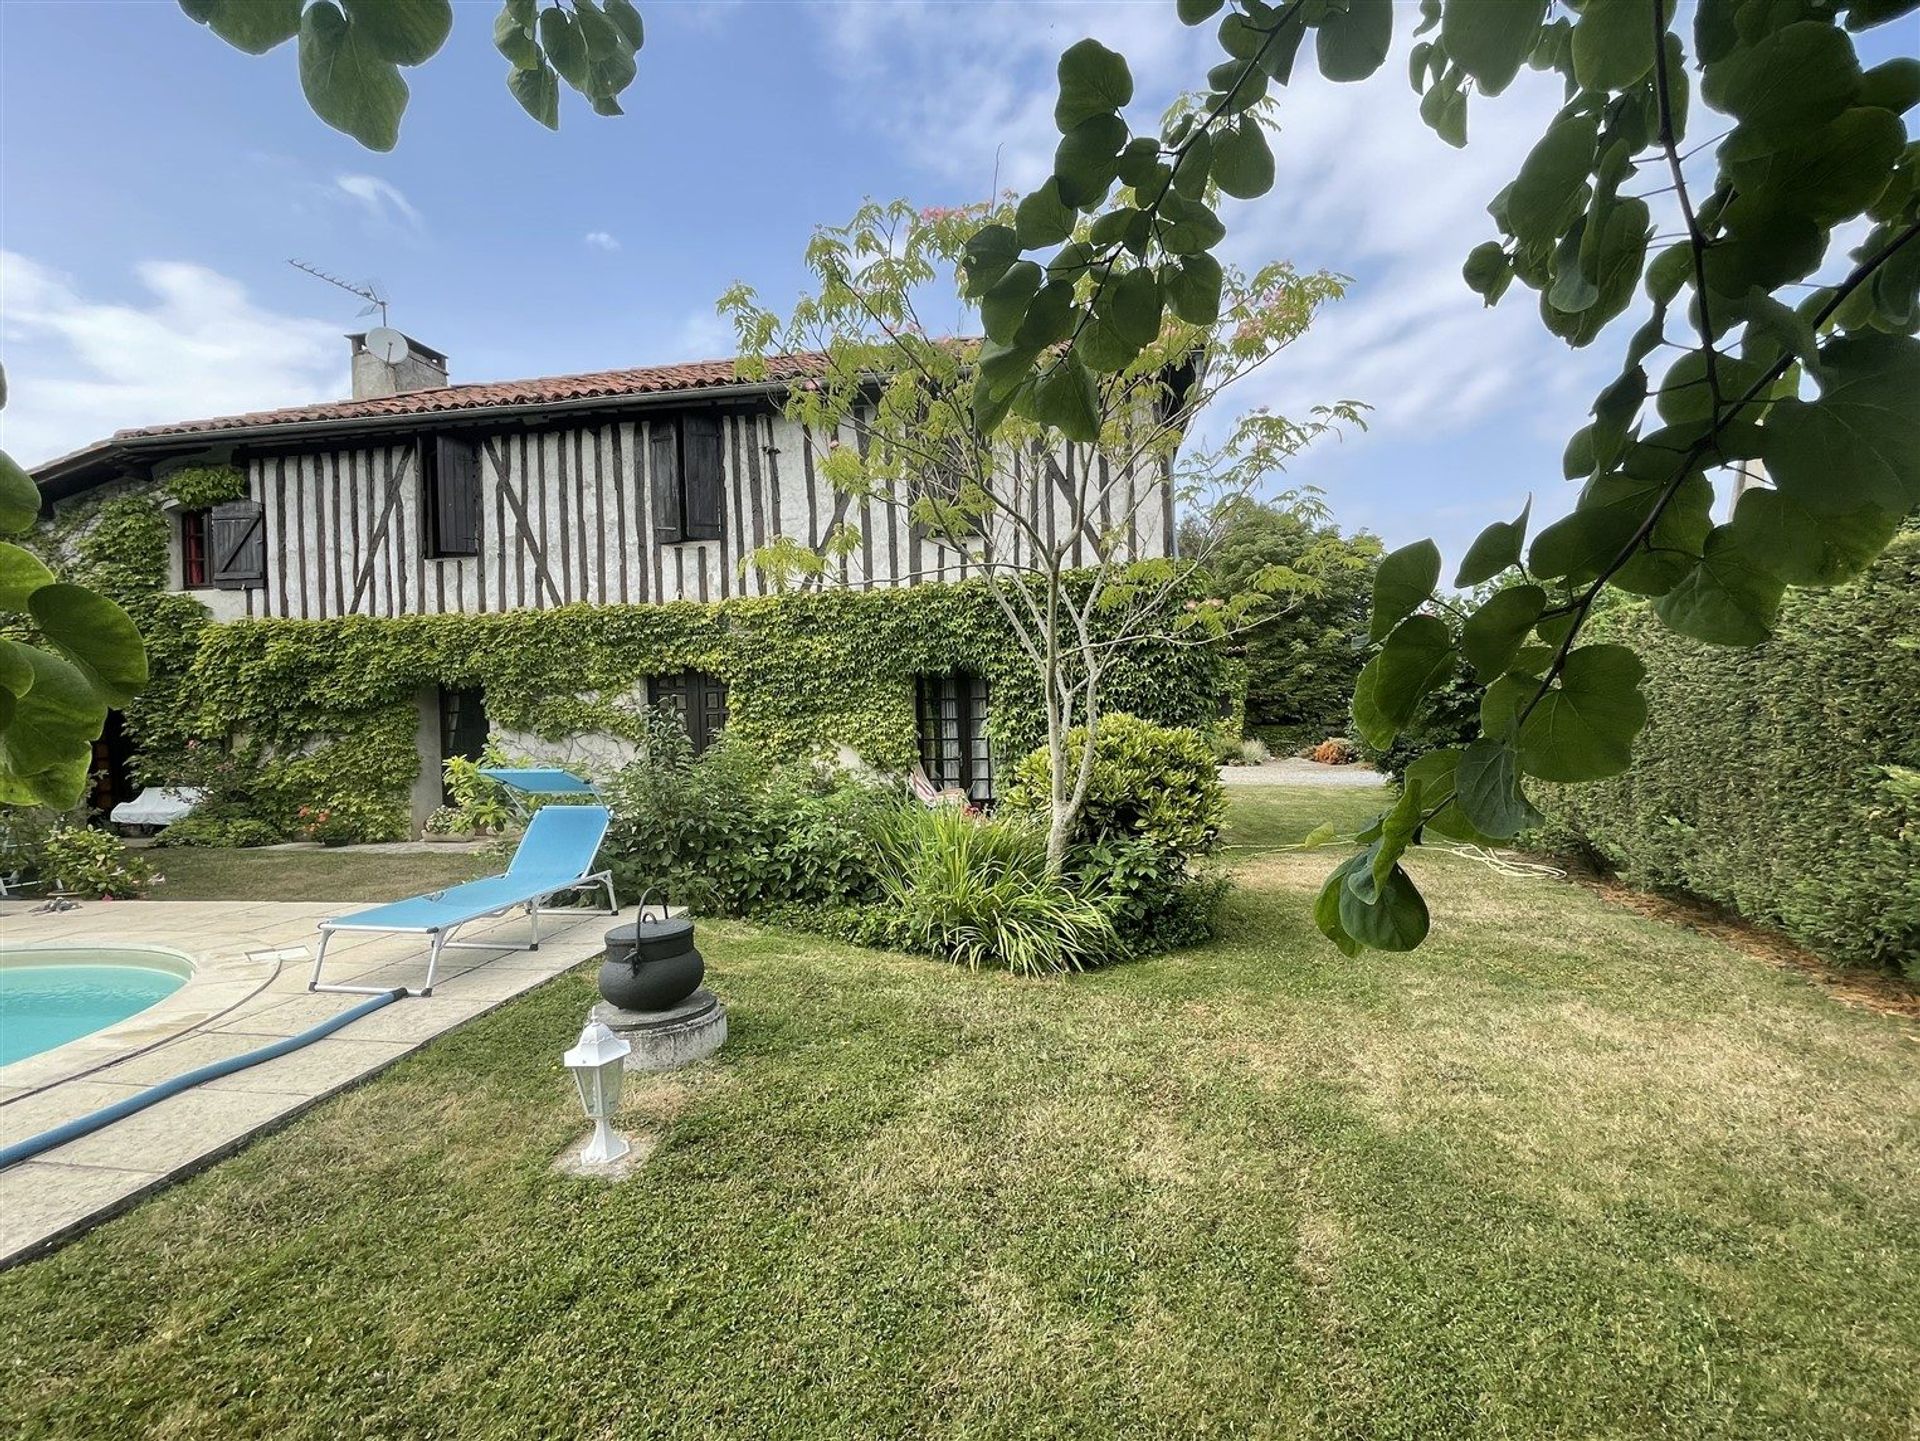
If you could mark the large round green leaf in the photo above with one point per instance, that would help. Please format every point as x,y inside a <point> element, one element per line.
<point>1492,635</point>
<point>1859,443</point>
<point>1417,657</point>
<point>1242,159</point>
<point>1487,790</point>
<point>1136,307</point>
<point>1093,81</point>
<point>1394,920</point>
<point>1193,288</point>
<point>1729,597</point>
<point>1491,39</point>
<point>1067,400</point>
<point>1495,548</point>
<point>348,83</point>
<point>407,32</point>
<point>19,497</point>
<point>1043,218</point>
<point>1613,44</point>
<point>538,91</point>
<point>21,574</point>
<point>1403,583</point>
<point>1552,184</point>
<point>255,26</point>
<point>56,721</point>
<point>1087,159</point>
<point>1004,306</point>
<point>1353,43</point>
<point>1787,81</point>
<point>96,635</point>
<point>1583,728</point>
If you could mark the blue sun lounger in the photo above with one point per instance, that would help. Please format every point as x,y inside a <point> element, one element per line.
<point>556,854</point>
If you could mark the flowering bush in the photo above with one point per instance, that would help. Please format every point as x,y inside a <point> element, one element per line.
<point>347,820</point>
<point>83,861</point>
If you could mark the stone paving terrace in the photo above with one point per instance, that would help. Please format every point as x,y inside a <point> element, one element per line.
<point>253,960</point>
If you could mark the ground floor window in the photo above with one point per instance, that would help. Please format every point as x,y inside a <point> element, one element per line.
<point>952,722</point>
<point>193,549</point>
<point>699,699</point>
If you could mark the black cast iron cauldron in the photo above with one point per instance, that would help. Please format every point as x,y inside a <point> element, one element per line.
<point>651,965</point>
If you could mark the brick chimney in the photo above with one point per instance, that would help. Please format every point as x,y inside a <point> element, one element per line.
<point>422,368</point>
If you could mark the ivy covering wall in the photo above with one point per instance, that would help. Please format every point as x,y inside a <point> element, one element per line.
<point>322,714</point>
<point>1783,781</point>
<point>329,706</point>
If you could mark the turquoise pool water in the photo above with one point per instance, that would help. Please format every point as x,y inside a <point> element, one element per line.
<point>76,993</point>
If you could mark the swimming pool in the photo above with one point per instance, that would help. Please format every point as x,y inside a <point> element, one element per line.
<point>50,995</point>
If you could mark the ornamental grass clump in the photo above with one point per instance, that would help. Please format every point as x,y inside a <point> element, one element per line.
<point>979,893</point>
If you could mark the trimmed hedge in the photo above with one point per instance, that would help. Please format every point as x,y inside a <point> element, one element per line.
<point>1778,781</point>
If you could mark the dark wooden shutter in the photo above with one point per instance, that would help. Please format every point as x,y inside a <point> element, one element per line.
<point>709,695</point>
<point>237,539</point>
<point>700,700</point>
<point>455,497</point>
<point>703,480</point>
<point>663,474</point>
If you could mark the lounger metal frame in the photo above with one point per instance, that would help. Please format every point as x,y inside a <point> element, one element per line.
<point>440,934</point>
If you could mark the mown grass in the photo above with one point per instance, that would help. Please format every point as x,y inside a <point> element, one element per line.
<point>1563,1172</point>
<point>194,874</point>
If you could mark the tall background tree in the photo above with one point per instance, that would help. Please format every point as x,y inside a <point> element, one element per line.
<point>1303,658</point>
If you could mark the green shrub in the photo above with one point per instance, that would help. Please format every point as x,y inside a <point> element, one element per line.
<point>1156,901</point>
<point>217,833</point>
<point>731,833</point>
<point>1154,804</point>
<point>90,862</point>
<point>977,892</point>
<point>1774,780</point>
<point>1152,782</point>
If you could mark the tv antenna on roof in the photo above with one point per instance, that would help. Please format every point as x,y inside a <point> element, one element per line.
<point>370,291</point>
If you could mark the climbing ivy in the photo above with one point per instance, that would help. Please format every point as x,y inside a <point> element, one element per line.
<point>199,486</point>
<point>322,705</point>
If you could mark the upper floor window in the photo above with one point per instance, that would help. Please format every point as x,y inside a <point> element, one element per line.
<point>194,571</point>
<point>450,496</point>
<point>951,710</point>
<point>237,545</point>
<point>699,699</point>
<point>687,478</point>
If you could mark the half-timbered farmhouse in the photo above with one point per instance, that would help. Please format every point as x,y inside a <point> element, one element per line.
<point>617,488</point>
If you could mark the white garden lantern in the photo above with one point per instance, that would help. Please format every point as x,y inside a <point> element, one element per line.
<point>598,1063</point>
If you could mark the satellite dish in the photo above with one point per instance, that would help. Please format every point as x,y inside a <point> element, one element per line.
<point>387,343</point>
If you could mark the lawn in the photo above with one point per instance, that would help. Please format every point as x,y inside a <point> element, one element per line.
<point>1563,1172</point>
<point>318,875</point>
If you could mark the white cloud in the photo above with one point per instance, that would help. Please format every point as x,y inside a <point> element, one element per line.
<point>601,240</point>
<point>80,367</point>
<point>384,203</point>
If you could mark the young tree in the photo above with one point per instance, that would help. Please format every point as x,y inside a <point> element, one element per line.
<point>892,410</point>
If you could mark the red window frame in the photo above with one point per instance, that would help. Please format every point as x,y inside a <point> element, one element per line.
<point>193,550</point>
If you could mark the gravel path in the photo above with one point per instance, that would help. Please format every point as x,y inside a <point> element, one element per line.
<point>1292,771</point>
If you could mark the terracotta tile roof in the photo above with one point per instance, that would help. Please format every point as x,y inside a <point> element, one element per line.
<point>608,384</point>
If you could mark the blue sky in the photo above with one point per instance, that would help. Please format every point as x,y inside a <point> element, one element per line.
<point>155,182</point>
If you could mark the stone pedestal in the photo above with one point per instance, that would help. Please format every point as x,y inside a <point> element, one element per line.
<point>664,1040</point>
